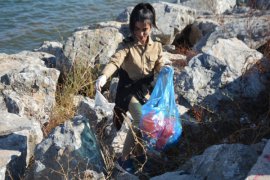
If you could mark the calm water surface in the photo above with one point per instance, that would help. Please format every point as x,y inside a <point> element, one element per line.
<point>25,24</point>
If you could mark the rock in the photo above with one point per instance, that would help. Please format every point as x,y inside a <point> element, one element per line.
<point>96,114</point>
<point>212,6</point>
<point>225,161</point>
<point>258,4</point>
<point>123,27</point>
<point>6,156</point>
<point>19,135</point>
<point>252,29</point>
<point>91,46</point>
<point>179,175</point>
<point>101,119</point>
<point>70,149</point>
<point>29,86</point>
<point>56,49</point>
<point>261,169</point>
<point>215,75</point>
<point>51,47</point>
<point>125,176</point>
<point>10,123</point>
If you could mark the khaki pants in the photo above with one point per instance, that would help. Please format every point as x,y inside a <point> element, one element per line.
<point>135,109</point>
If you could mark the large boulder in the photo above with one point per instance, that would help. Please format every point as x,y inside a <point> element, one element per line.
<point>71,150</point>
<point>210,6</point>
<point>225,161</point>
<point>18,138</point>
<point>218,75</point>
<point>100,116</point>
<point>28,86</point>
<point>252,29</point>
<point>171,19</point>
<point>91,46</point>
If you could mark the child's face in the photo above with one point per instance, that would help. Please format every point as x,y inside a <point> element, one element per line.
<point>142,31</point>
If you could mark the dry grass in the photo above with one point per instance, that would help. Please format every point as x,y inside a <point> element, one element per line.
<point>79,80</point>
<point>181,63</point>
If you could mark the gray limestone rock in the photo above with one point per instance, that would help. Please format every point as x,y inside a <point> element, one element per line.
<point>261,169</point>
<point>70,149</point>
<point>225,161</point>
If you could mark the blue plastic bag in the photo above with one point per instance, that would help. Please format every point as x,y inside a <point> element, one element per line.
<point>160,123</point>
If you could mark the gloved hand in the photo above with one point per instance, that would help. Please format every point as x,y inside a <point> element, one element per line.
<point>101,81</point>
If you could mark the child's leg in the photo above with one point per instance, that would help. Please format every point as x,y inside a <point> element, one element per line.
<point>136,113</point>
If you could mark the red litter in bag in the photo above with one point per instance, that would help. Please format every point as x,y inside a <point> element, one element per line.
<point>150,125</point>
<point>166,133</point>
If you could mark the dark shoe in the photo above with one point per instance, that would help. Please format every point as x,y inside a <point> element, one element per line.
<point>118,117</point>
<point>125,166</point>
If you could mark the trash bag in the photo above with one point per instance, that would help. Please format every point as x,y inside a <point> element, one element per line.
<point>101,101</point>
<point>160,122</point>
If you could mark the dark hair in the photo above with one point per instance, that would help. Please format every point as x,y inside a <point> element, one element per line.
<point>142,12</point>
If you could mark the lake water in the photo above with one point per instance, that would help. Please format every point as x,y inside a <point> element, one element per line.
<point>25,24</point>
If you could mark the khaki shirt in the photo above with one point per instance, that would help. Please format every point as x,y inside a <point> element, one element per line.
<point>136,59</point>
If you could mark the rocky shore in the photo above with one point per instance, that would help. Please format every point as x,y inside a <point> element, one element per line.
<point>221,84</point>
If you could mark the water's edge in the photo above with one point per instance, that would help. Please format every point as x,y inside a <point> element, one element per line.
<point>25,24</point>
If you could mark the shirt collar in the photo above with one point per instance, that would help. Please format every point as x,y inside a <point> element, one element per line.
<point>149,43</point>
